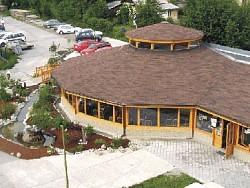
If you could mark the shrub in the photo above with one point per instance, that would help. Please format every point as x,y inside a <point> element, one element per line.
<point>51,150</point>
<point>11,59</point>
<point>116,143</point>
<point>99,141</point>
<point>78,148</point>
<point>4,96</point>
<point>67,138</point>
<point>89,130</point>
<point>58,121</point>
<point>41,118</point>
<point>46,94</point>
<point>7,110</point>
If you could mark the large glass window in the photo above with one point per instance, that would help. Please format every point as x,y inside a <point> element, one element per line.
<point>106,112</point>
<point>132,116</point>
<point>148,116</point>
<point>118,114</point>
<point>92,107</point>
<point>184,117</point>
<point>244,136</point>
<point>81,105</point>
<point>169,117</point>
<point>204,121</point>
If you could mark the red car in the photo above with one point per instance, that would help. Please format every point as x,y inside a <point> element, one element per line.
<point>83,45</point>
<point>96,46</point>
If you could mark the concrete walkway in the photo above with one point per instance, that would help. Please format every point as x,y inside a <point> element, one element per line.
<point>86,170</point>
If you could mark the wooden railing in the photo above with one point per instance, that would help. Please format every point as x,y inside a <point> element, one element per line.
<point>45,71</point>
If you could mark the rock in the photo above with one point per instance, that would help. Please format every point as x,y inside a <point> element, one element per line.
<point>18,155</point>
<point>103,146</point>
<point>121,149</point>
<point>110,150</point>
<point>12,153</point>
<point>32,135</point>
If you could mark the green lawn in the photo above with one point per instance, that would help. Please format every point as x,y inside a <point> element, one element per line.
<point>164,181</point>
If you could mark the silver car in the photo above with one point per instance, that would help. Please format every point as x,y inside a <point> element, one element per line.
<point>51,23</point>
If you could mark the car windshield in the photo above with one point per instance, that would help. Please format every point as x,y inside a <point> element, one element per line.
<point>80,43</point>
<point>92,46</point>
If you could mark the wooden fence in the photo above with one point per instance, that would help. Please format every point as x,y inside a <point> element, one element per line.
<point>45,71</point>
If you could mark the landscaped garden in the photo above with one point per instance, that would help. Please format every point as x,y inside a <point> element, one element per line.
<point>45,117</point>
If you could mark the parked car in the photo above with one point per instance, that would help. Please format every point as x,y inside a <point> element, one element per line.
<point>87,35</point>
<point>63,29</point>
<point>95,33</point>
<point>9,36</point>
<point>94,47</point>
<point>24,45</point>
<point>51,23</point>
<point>83,45</point>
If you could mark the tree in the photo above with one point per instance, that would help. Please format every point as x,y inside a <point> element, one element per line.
<point>99,9</point>
<point>222,21</point>
<point>148,13</point>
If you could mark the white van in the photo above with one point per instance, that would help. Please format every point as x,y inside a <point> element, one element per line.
<point>10,36</point>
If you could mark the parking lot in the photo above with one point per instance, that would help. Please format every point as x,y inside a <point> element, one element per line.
<point>38,56</point>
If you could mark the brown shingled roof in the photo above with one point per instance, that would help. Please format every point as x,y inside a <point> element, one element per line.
<point>165,32</point>
<point>129,76</point>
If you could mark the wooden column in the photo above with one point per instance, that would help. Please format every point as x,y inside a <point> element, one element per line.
<point>85,105</point>
<point>152,46</point>
<point>188,45</point>
<point>124,122</point>
<point>136,44</point>
<point>99,109</point>
<point>114,118</point>
<point>77,105</point>
<point>171,47</point>
<point>138,117</point>
<point>179,117</point>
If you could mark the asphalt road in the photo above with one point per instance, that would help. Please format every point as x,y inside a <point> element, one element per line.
<point>39,55</point>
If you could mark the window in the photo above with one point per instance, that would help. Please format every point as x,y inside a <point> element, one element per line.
<point>106,112</point>
<point>148,116</point>
<point>244,136</point>
<point>204,121</point>
<point>81,105</point>
<point>118,114</point>
<point>91,107</point>
<point>132,116</point>
<point>169,117</point>
<point>184,117</point>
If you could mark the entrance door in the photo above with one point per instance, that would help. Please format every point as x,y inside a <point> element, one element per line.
<point>229,140</point>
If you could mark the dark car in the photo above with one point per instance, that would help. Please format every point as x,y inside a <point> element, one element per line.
<point>2,28</point>
<point>87,35</point>
<point>52,23</point>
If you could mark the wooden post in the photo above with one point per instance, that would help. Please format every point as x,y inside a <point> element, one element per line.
<point>124,122</point>
<point>158,117</point>
<point>99,109</point>
<point>171,47</point>
<point>65,158</point>
<point>136,44</point>
<point>152,46</point>
<point>188,45</point>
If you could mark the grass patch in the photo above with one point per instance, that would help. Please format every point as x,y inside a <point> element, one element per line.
<point>166,181</point>
<point>11,59</point>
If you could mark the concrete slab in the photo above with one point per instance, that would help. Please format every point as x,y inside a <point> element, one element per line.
<point>85,170</point>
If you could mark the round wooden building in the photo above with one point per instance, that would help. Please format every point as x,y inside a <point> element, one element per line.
<point>164,83</point>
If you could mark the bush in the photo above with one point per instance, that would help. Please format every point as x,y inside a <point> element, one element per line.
<point>51,150</point>
<point>99,24</point>
<point>78,148</point>
<point>67,138</point>
<point>99,141</point>
<point>41,118</point>
<point>11,60</point>
<point>4,96</point>
<point>7,110</point>
<point>58,121</point>
<point>89,130</point>
<point>116,143</point>
<point>46,94</point>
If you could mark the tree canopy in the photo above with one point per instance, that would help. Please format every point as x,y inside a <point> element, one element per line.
<point>222,21</point>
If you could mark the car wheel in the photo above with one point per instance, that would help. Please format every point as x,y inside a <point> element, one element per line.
<point>2,44</point>
<point>60,32</point>
<point>48,26</point>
